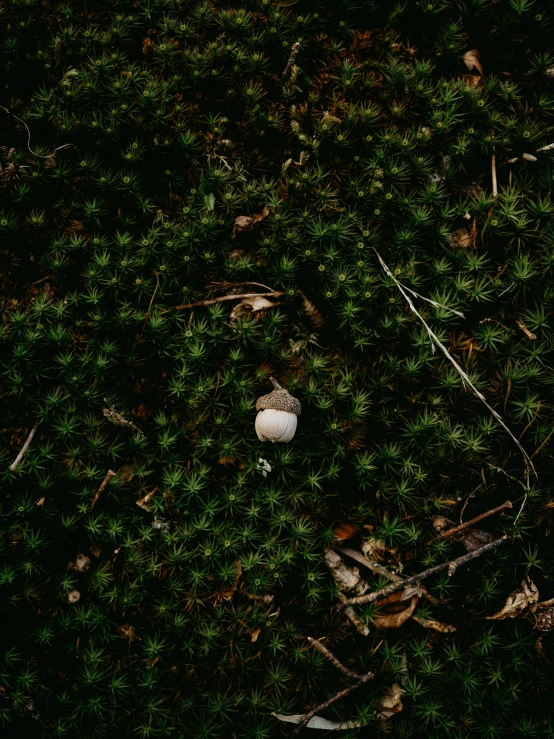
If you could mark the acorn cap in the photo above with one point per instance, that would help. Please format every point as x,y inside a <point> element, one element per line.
<point>279,400</point>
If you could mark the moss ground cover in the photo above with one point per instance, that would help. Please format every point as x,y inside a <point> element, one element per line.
<point>133,136</point>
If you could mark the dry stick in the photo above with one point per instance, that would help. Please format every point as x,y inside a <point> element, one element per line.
<point>494,181</point>
<point>151,300</point>
<point>292,58</point>
<point>322,706</point>
<point>331,657</point>
<point>451,566</point>
<point>529,467</point>
<point>467,524</point>
<point>41,156</point>
<point>100,490</point>
<point>29,439</point>
<point>273,294</point>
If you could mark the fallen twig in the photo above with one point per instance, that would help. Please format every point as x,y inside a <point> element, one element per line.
<point>360,680</point>
<point>100,490</point>
<point>331,657</point>
<point>494,180</point>
<point>24,448</point>
<point>41,156</point>
<point>292,58</point>
<point>529,467</point>
<point>451,566</point>
<point>467,524</point>
<point>273,294</point>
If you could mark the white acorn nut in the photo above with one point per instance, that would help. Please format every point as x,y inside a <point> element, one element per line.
<point>277,415</point>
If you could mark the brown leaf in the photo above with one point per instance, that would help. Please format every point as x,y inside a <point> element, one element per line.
<point>227,593</point>
<point>463,238</point>
<point>255,634</point>
<point>394,611</point>
<point>471,80</point>
<point>247,223</point>
<point>346,531</point>
<point>125,474</point>
<point>390,703</point>
<point>96,550</point>
<point>526,595</point>
<point>315,316</point>
<point>474,538</point>
<point>125,630</point>
<point>471,60</point>
<point>440,523</point>
<point>430,623</point>
<point>41,501</point>
<point>82,563</point>
<point>377,551</point>
<point>247,307</point>
<point>543,618</point>
<point>347,579</point>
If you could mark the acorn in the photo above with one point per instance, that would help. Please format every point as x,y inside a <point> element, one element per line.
<point>277,414</point>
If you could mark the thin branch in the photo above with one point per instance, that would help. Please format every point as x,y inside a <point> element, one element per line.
<point>322,706</point>
<point>41,156</point>
<point>151,300</point>
<point>458,529</point>
<point>529,467</point>
<point>331,657</point>
<point>451,566</point>
<point>273,294</point>
<point>100,490</point>
<point>223,284</point>
<point>14,465</point>
<point>494,180</point>
<point>292,58</point>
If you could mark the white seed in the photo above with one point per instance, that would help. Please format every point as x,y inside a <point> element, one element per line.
<point>273,425</point>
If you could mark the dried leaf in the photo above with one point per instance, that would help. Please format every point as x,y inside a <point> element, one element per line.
<point>41,501</point>
<point>255,634</point>
<point>317,722</point>
<point>248,306</point>
<point>463,238</point>
<point>471,60</point>
<point>346,531</point>
<point>440,523</point>
<point>227,593</point>
<point>347,579</point>
<point>125,630</point>
<point>526,595</point>
<point>125,474</point>
<point>471,80</point>
<point>377,551</point>
<point>391,702</point>
<point>473,539</point>
<point>525,330</point>
<point>548,147</point>
<point>394,611</point>
<point>96,550</point>
<point>315,316</point>
<point>247,223</point>
<point>543,618</point>
<point>529,157</point>
<point>82,563</point>
<point>430,623</point>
